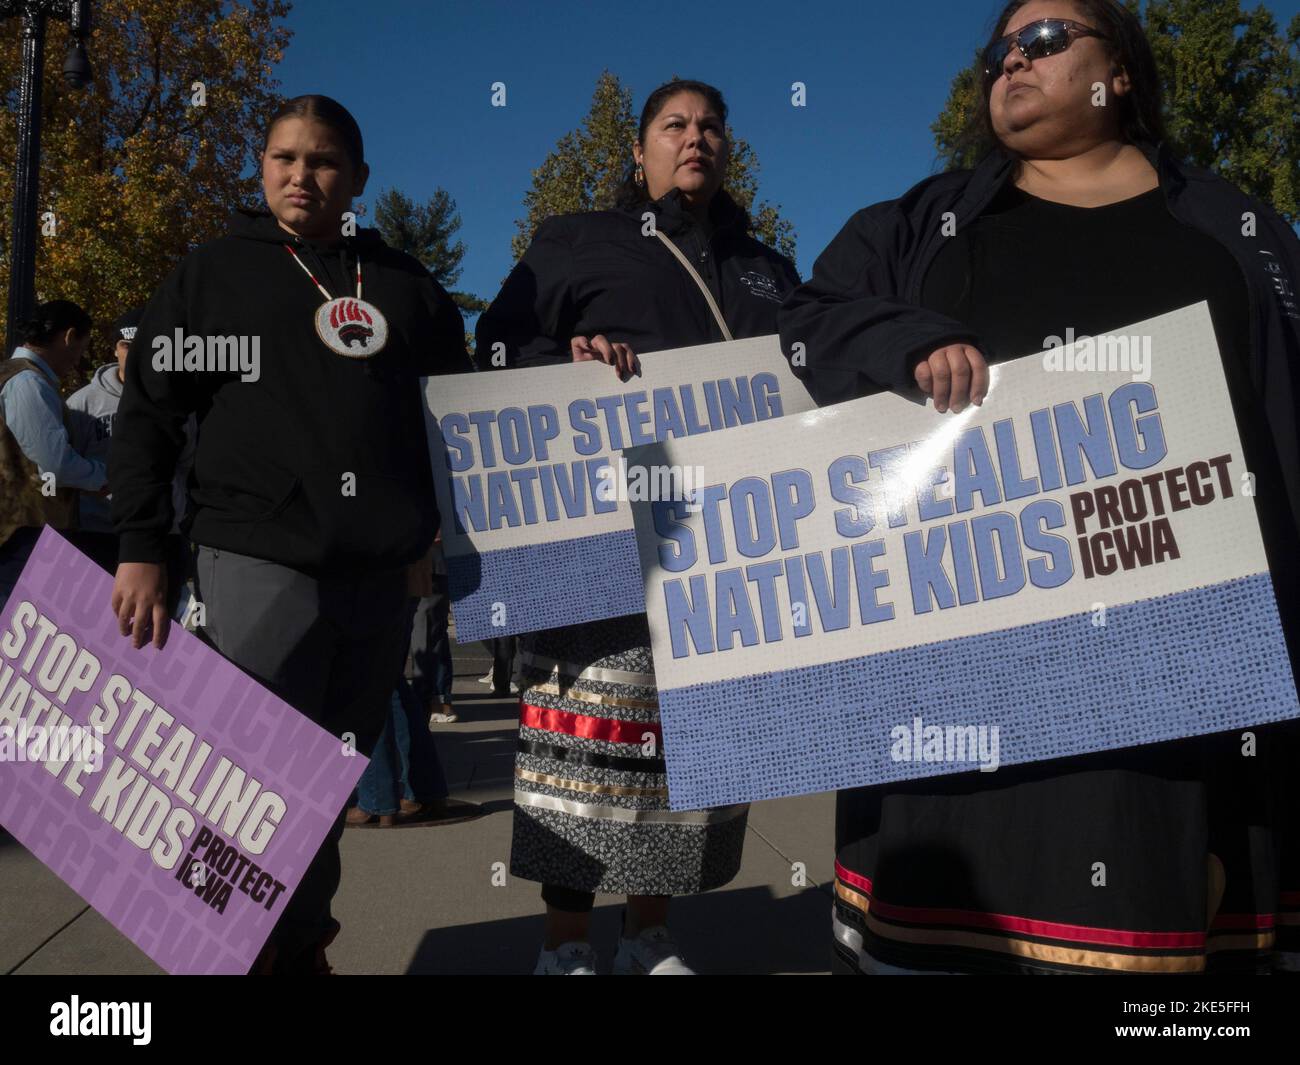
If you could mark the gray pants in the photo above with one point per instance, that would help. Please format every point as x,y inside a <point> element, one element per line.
<point>332,648</point>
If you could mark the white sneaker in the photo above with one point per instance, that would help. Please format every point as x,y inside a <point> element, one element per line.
<point>568,959</point>
<point>486,678</point>
<point>652,953</point>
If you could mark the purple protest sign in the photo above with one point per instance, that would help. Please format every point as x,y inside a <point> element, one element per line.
<point>191,825</point>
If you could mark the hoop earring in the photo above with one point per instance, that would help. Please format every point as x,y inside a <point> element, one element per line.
<point>639,176</point>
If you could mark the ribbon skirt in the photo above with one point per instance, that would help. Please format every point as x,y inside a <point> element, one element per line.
<point>591,791</point>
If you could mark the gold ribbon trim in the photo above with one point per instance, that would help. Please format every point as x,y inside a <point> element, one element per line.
<point>595,699</point>
<point>1096,959</point>
<point>582,785</point>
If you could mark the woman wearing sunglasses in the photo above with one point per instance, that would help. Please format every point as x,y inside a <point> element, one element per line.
<point>1174,857</point>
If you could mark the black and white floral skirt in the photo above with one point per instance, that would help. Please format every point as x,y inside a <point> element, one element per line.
<point>591,794</point>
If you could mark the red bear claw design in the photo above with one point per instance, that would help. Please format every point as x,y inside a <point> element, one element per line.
<point>348,311</point>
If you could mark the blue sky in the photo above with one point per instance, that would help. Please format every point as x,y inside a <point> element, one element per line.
<point>418,76</point>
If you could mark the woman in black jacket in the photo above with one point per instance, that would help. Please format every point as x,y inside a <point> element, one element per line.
<point>591,799</point>
<point>299,343</point>
<point>1075,219</point>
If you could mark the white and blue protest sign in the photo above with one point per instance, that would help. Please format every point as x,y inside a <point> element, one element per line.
<point>875,592</point>
<point>536,526</point>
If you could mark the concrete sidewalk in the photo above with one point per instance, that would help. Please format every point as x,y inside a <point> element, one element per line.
<point>422,899</point>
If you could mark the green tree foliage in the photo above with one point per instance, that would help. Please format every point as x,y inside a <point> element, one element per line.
<point>959,135</point>
<point>1231,84</point>
<point>427,232</point>
<point>584,170</point>
<point>1232,93</point>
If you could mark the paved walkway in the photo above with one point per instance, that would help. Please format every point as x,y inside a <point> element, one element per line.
<point>422,900</point>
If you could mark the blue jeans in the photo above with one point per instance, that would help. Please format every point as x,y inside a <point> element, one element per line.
<point>405,762</point>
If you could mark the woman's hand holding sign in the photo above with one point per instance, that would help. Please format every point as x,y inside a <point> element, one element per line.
<point>599,348</point>
<point>952,375</point>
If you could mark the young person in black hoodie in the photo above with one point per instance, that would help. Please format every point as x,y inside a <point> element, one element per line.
<point>311,489</point>
<point>591,801</point>
<point>1075,219</point>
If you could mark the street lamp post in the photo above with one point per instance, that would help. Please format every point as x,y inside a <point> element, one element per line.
<point>35,14</point>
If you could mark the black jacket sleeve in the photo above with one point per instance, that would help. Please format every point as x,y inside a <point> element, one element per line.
<point>858,335</point>
<point>533,314</point>
<point>1280,359</point>
<point>149,430</point>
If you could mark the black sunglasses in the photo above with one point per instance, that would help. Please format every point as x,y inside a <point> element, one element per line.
<point>1048,36</point>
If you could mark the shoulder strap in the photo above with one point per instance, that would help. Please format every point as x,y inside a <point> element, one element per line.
<point>12,367</point>
<point>713,306</point>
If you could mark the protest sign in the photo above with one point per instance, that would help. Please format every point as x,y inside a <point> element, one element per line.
<point>535,530</point>
<point>876,592</point>
<point>177,796</point>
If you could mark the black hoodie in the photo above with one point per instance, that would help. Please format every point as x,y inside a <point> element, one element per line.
<point>602,273</point>
<point>321,463</point>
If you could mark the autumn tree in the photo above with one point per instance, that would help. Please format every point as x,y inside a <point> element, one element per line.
<point>587,165</point>
<point>1231,85</point>
<point>152,157</point>
<point>427,231</point>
